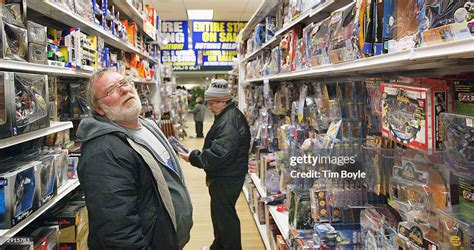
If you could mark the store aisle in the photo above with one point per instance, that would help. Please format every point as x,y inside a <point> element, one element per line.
<point>202,233</point>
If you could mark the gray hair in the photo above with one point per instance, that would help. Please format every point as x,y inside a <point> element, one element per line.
<point>90,92</point>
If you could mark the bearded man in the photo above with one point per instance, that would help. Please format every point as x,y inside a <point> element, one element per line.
<point>134,187</point>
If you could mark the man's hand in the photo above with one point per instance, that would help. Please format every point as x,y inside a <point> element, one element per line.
<point>184,156</point>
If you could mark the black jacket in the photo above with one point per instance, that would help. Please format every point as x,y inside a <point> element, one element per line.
<point>226,148</point>
<point>126,210</point>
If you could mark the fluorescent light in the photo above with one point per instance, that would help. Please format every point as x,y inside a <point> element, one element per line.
<point>200,14</point>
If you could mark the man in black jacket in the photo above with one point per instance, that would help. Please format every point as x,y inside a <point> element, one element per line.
<point>224,158</point>
<point>134,187</point>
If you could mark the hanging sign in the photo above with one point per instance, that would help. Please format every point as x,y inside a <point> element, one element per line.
<point>216,35</point>
<point>176,33</point>
<point>180,59</point>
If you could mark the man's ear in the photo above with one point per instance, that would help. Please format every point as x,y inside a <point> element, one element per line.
<point>99,111</point>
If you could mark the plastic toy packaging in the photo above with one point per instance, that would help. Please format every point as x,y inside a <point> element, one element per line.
<point>270,23</point>
<point>78,104</point>
<point>417,185</point>
<point>342,29</point>
<point>417,236</point>
<point>306,44</point>
<point>337,236</point>
<point>457,227</point>
<point>458,133</point>
<point>14,12</point>
<point>411,114</point>
<point>405,13</point>
<point>320,43</point>
<point>299,57</point>
<point>259,35</point>
<point>37,53</point>
<point>15,42</point>
<point>300,210</point>
<point>379,227</point>
<point>37,33</point>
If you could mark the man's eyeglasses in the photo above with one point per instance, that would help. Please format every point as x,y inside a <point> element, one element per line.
<point>122,82</point>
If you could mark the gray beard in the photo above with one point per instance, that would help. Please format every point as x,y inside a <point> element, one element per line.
<point>124,113</point>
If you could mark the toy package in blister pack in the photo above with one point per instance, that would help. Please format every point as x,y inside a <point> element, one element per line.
<point>18,193</point>
<point>417,184</point>
<point>378,227</point>
<point>31,96</point>
<point>458,131</point>
<point>457,227</point>
<point>47,183</point>
<point>379,155</point>
<point>342,31</point>
<point>414,236</point>
<point>14,42</point>
<point>14,12</point>
<point>410,115</point>
<point>405,26</point>
<point>300,210</point>
<point>444,21</point>
<point>338,235</point>
<point>320,43</point>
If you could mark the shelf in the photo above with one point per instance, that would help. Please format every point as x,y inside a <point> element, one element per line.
<point>63,191</point>
<point>42,69</point>
<point>58,13</point>
<point>261,228</point>
<point>436,56</point>
<point>258,184</point>
<point>262,11</point>
<point>324,9</point>
<point>281,219</point>
<point>144,81</point>
<point>267,45</point>
<point>127,9</point>
<point>54,128</point>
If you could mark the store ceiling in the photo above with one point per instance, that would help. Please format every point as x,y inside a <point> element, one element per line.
<point>224,10</point>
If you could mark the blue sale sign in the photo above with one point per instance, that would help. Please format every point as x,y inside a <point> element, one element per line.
<point>216,35</point>
<point>176,33</point>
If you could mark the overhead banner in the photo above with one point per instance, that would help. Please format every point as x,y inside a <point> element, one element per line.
<point>176,33</point>
<point>216,58</point>
<point>215,35</point>
<point>180,59</point>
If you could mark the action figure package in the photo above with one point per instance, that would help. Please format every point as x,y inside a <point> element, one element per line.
<point>410,115</point>
<point>457,227</point>
<point>300,210</point>
<point>46,177</point>
<point>37,33</point>
<point>417,236</point>
<point>379,227</point>
<point>29,106</point>
<point>73,162</point>
<point>405,25</point>
<point>458,131</point>
<point>14,12</point>
<point>416,185</point>
<point>270,23</point>
<point>46,237</point>
<point>14,41</point>
<point>61,165</point>
<point>464,97</point>
<point>18,189</point>
<point>320,43</point>
<point>342,29</point>
<point>337,236</point>
<point>444,21</point>
<point>37,53</point>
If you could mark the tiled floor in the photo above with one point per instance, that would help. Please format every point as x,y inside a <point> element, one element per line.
<point>202,233</point>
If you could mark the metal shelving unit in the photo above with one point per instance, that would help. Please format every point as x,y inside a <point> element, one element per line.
<point>56,12</point>
<point>54,128</point>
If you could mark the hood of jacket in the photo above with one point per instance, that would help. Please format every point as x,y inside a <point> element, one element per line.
<point>96,126</point>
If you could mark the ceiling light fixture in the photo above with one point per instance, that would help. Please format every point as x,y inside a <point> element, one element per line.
<point>200,14</point>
